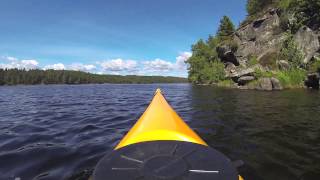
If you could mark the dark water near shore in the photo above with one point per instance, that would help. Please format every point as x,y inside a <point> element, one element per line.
<point>56,131</point>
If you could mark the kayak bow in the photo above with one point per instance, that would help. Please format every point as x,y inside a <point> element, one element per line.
<point>162,146</point>
<point>160,122</point>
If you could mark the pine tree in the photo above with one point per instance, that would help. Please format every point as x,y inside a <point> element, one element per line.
<point>226,28</point>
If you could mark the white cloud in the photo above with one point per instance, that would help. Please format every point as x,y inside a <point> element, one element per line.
<point>81,67</point>
<point>9,58</point>
<point>12,62</point>
<point>158,65</point>
<point>29,63</point>
<point>118,65</point>
<point>181,60</point>
<point>58,66</point>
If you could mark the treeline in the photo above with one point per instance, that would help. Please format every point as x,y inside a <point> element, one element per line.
<point>37,76</point>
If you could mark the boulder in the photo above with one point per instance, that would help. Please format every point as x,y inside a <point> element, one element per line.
<point>245,79</point>
<point>243,72</point>
<point>276,85</point>
<point>312,81</point>
<point>283,65</point>
<point>230,68</point>
<point>264,84</point>
<point>308,43</point>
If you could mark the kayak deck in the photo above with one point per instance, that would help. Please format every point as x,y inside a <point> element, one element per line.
<point>166,160</point>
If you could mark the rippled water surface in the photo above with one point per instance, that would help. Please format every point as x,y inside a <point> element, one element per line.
<point>61,131</point>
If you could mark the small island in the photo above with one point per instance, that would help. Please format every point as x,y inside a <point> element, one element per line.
<point>276,47</point>
<point>37,76</point>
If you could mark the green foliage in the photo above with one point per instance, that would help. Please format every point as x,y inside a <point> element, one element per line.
<point>258,73</point>
<point>307,12</point>
<point>226,29</point>
<point>284,22</point>
<point>284,4</point>
<point>202,55</point>
<point>210,72</point>
<point>196,66</point>
<point>314,66</point>
<point>290,52</point>
<point>201,48</point>
<point>215,72</point>
<point>226,83</point>
<point>304,12</point>
<point>293,78</point>
<point>212,42</point>
<point>255,6</point>
<point>36,76</point>
<point>253,60</point>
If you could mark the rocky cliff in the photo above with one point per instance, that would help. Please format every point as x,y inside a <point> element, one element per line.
<point>259,47</point>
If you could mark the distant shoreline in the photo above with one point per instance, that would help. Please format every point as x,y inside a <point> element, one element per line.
<point>47,77</point>
<point>95,84</point>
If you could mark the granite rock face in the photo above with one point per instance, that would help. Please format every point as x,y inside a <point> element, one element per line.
<point>265,35</point>
<point>308,43</point>
<point>258,37</point>
<point>276,85</point>
<point>262,39</point>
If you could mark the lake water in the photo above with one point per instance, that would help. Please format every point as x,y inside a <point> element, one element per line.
<point>61,131</point>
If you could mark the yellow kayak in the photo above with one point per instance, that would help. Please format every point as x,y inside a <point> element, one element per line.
<point>161,146</point>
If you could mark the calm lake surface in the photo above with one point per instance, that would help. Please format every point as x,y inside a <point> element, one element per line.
<point>59,131</point>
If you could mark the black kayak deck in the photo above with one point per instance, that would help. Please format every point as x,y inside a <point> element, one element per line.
<point>165,160</point>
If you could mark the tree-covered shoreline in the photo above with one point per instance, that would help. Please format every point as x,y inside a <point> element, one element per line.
<point>37,76</point>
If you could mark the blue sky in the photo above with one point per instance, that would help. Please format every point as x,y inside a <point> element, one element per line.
<point>108,36</point>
